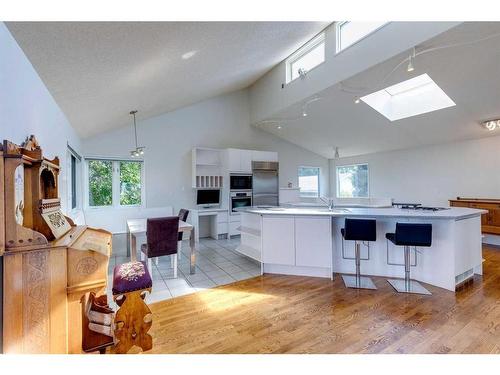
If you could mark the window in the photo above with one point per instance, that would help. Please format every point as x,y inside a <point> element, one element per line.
<point>306,58</point>
<point>73,182</point>
<point>309,182</point>
<point>349,32</point>
<point>73,178</point>
<point>352,181</point>
<point>409,98</point>
<point>114,183</point>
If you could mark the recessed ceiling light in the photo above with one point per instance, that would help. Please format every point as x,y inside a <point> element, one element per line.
<point>188,55</point>
<point>409,98</point>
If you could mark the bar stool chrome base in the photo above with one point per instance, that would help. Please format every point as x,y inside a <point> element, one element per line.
<point>362,282</point>
<point>402,286</point>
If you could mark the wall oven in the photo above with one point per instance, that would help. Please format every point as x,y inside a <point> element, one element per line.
<point>239,181</point>
<point>240,199</point>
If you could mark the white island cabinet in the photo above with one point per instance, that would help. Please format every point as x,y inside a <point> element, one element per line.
<point>307,242</point>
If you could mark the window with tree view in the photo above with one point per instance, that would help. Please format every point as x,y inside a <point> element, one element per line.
<point>100,182</point>
<point>309,182</point>
<point>114,183</point>
<point>352,181</point>
<point>130,183</point>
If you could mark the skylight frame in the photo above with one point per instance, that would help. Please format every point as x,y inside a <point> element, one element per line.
<point>409,98</point>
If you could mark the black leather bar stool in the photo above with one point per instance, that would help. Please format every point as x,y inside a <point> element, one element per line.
<point>358,230</point>
<point>410,235</point>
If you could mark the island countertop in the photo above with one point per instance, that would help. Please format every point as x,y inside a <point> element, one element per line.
<point>450,213</point>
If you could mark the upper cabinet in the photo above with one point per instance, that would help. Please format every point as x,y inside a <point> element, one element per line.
<point>240,161</point>
<point>264,156</point>
<point>207,168</point>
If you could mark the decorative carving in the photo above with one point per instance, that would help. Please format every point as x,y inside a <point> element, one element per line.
<point>31,144</point>
<point>19,194</point>
<point>86,266</point>
<point>36,302</point>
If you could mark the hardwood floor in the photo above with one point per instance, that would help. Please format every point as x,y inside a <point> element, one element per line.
<point>289,314</point>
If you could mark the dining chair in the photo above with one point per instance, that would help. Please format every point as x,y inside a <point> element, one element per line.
<point>162,238</point>
<point>183,215</point>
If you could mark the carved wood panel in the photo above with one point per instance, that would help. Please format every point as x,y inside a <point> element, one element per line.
<point>36,287</point>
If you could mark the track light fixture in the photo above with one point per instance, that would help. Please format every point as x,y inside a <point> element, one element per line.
<point>336,154</point>
<point>356,100</point>
<point>491,125</point>
<point>304,113</point>
<point>410,67</point>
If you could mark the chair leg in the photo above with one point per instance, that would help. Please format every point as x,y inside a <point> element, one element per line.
<point>175,265</point>
<point>407,285</point>
<point>150,267</point>
<point>357,281</point>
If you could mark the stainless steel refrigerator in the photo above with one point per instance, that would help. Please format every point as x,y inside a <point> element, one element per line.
<point>265,183</point>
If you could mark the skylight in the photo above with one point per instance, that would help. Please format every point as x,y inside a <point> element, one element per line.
<point>409,98</point>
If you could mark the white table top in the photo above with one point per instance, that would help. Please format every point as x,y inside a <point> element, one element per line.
<point>453,213</point>
<point>136,226</point>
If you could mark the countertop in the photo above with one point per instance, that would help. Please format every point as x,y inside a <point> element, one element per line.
<point>451,213</point>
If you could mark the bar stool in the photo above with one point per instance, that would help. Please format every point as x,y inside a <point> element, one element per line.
<point>358,230</point>
<point>409,235</point>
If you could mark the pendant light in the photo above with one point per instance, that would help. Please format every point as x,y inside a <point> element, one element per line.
<point>138,150</point>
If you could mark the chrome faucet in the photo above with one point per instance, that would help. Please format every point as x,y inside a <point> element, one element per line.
<point>329,202</point>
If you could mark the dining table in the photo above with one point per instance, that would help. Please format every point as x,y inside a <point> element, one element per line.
<point>137,227</point>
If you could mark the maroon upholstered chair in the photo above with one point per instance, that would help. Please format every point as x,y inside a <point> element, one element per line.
<point>183,215</point>
<point>162,237</point>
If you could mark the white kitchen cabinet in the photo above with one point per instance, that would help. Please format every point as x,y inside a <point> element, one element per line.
<point>313,241</point>
<point>279,244</point>
<point>246,161</point>
<point>239,161</point>
<point>233,160</point>
<point>264,156</point>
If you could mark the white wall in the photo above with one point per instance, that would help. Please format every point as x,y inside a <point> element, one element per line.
<point>27,107</point>
<point>432,175</point>
<point>220,122</point>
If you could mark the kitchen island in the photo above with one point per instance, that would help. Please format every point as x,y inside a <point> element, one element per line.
<point>307,241</point>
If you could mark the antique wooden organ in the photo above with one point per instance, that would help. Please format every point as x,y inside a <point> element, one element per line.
<point>49,262</point>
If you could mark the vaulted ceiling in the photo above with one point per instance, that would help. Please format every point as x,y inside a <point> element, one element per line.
<point>469,74</point>
<point>99,71</point>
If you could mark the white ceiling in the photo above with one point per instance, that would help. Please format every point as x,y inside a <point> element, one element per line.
<point>470,75</point>
<point>99,71</point>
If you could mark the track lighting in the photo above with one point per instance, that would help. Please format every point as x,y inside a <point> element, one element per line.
<point>336,155</point>
<point>410,67</point>
<point>279,127</point>
<point>491,125</point>
<point>304,113</point>
<point>356,100</point>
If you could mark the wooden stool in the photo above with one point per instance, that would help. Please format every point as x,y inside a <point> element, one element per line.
<point>133,319</point>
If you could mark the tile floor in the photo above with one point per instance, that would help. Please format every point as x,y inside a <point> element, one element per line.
<point>217,264</point>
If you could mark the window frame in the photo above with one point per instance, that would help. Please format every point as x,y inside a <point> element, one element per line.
<point>319,181</point>
<point>337,187</point>
<point>338,41</point>
<point>77,169</point>
<point>115,188</point>
<point>301,52</point>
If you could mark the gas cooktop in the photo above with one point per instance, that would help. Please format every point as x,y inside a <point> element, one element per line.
<point>424,208</point>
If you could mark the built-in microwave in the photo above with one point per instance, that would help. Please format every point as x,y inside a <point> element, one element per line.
<point>240,181</point>
<point>240,199</point>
